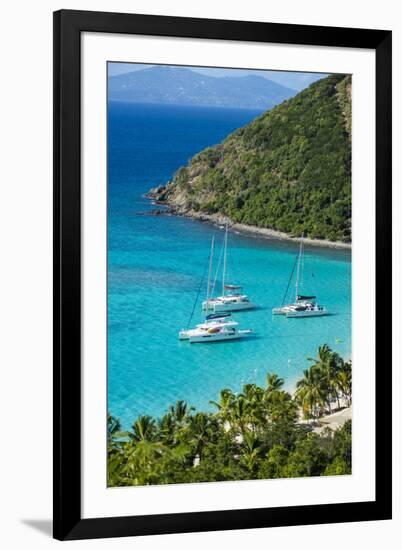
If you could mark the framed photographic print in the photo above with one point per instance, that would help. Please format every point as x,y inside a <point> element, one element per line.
<point>222,273</point>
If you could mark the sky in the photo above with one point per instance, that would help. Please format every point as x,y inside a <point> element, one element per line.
<point>290,79</point>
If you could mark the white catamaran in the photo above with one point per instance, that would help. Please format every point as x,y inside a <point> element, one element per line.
<point>232,298</point>
<point>211,323</point>
<point>217,326</point>
<point>218,334</point>
<point>303,306</point>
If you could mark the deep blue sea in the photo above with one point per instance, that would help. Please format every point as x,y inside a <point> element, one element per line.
<point>155,264</point>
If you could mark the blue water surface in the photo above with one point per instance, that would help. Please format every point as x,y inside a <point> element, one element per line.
<point>155,264</point>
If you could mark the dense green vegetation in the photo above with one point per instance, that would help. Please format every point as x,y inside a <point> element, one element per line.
<point>259,433</point>
<point>288,170</point>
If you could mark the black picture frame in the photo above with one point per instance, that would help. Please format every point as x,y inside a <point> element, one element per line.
<point>68,522</point>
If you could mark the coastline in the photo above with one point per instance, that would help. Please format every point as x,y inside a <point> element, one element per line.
<point>334,420</point>
<point>220,220</point>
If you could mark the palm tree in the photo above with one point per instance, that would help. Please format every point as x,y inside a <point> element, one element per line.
<point>143,429</point>
<point>274,383</point>
<point>255,410</point>
<point>142,460</point>
<point>166,428</point>
<point>202,429</point>
<point>310,393</point>
<point>328,365</point>
<point>225,405</point>
<point>115,437</point>
<point>281,406</point>
<point>113,427</point>
<point>239,414</point>
<point>345,382</point>
<point>180,411</point>
<point>250,451</point>
<point>138,459</point>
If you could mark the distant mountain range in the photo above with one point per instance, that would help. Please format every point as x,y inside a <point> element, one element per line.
<point>181,86</point>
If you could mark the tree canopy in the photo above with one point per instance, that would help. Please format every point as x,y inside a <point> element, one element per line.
<point>258,433</point>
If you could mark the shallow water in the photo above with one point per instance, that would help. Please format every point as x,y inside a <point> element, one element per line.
<point>155,264</point>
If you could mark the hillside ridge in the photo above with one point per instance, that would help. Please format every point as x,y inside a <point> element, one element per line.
<point>289,170</point>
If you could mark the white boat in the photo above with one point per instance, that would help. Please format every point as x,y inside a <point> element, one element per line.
<point>301,301</point>
<point>211,321</point>
<point>217,326</point>
<point>312,310</point>
<point>232,298</point>
<point>303,306</point>
<point>218,334</point>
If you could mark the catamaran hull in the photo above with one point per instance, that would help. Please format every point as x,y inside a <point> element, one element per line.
<point>280,311</point>
<point>218,337</point>
<point>300,314</point>
<point>209,338</point>
<point>217,323</point>
<point>283,310</point>
<point>221,307</point>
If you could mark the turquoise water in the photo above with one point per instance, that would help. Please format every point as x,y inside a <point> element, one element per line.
<point>155,265</point>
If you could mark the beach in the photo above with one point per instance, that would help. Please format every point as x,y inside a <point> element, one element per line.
<point>251,230</point>
<point>335,420</point>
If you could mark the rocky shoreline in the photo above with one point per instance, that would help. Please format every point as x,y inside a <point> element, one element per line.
<point>159,197</point>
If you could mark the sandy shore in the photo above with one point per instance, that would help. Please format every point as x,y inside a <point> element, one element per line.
<point>272,234</point>
<point>335,420</point>
<point>219,220</point>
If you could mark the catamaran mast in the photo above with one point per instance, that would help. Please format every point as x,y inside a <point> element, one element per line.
<point>211,255</point>
<point>224,261</point>
<point>298,267</point>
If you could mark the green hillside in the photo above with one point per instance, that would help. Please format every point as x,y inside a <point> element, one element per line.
<point>288,170</point>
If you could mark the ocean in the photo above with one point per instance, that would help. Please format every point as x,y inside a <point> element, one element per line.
<point>155,265</point>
